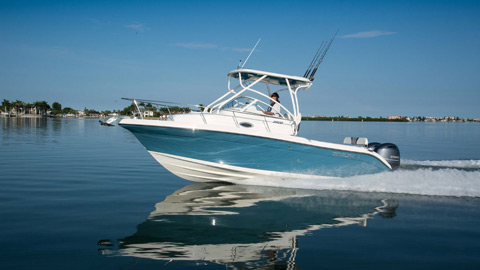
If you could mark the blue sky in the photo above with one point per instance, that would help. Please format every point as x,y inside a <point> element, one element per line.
<point>390,57</point>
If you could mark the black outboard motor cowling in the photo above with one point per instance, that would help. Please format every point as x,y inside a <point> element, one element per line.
<point>390,153</point>
<point>371,146</point>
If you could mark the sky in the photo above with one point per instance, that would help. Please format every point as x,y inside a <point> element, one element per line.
<point>409,58</point>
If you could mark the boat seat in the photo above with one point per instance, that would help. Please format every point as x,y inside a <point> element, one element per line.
<point>252,109</point>
<point>287,116</point>
<point>356,141</point>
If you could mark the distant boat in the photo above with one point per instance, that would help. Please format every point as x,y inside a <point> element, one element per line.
<point>109,122</point>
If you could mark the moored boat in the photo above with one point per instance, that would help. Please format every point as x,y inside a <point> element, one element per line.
<point>110,121</point>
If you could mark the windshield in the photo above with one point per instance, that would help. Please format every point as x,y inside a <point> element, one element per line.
<point>244,103</point>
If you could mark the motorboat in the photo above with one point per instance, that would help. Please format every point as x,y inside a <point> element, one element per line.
<point>233,139</point>
<point>219,223</point>
<point>239,136</point>
<point>110,121</point>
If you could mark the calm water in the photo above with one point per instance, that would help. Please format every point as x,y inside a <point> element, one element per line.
<point>77,195</point>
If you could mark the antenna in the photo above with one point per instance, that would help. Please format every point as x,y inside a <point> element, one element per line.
<point>318,59</point>
<point>251,53</point>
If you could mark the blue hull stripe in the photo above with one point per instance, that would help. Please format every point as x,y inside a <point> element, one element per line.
<point>255,152</point>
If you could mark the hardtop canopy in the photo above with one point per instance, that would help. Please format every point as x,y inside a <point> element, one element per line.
<point>272,78</point>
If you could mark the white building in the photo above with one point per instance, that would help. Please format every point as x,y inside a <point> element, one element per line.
<point>148,114</point>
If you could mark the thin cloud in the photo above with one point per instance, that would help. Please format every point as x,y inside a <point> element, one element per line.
<point>196,45</point>
<point>369,34</point>
<point>242,49</point>
<point>137,27</point>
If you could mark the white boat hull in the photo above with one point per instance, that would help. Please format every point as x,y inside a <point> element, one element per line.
<point>204,171</point>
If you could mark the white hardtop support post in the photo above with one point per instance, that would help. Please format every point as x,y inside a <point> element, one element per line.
<point>245,88</point>
<point>248,78</point>
<point>217,100</point>
<point>138,109</point>
<point>292,98</point>
<point>298,116</point>
<point>262,94</point>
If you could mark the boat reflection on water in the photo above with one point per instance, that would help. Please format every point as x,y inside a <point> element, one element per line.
<point>248,225</point>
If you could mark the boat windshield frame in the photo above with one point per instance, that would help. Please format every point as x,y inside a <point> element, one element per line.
<point>248,78</point>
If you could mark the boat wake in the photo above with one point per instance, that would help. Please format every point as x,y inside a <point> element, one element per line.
<point>441,164</point>
<point>459,178</point>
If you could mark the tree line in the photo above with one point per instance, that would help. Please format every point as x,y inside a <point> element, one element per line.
<point>38,107</point>
<point>156,111</point>
<point>360,119</point>
<point>19,107</point>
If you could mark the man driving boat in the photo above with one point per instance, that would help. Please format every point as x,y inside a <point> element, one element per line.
<point>274,108</point>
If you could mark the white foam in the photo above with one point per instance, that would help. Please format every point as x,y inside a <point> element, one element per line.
<point>422,181</point>
<point>444,163</point>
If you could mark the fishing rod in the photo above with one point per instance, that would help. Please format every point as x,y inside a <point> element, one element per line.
<point>311,76</point>
<point>312,64</point>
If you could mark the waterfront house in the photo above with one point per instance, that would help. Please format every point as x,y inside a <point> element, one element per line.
<point>148,114</point>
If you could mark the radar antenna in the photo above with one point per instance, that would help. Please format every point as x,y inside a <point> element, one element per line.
<point>318,58</point>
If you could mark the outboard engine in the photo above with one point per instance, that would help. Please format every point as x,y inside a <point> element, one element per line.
<point>389,152</point>
<point>371,146</point>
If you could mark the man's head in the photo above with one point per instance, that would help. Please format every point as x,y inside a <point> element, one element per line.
<point>274,96</point>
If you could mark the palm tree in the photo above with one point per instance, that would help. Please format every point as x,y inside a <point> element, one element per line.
<point>18,105</point>
<point>36,105</point>
<point>28,108</point>
<point>44,107</point>
<point>6,105</point>
<point>41,107</point>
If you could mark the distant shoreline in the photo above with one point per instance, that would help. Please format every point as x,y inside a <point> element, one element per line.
<point>40,109</point>
<point>395,119</point>
<point>306,118</point>
<point>50,116</point>
<point>358,119</point>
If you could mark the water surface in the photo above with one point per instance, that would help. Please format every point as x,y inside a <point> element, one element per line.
<point>77,195</point>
